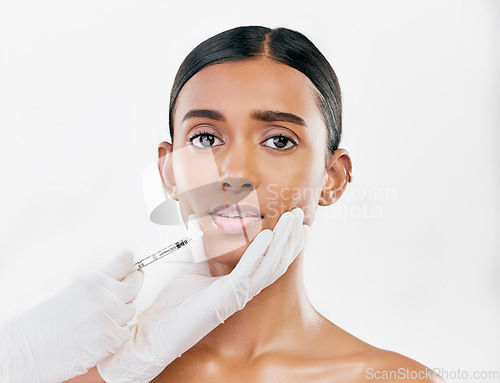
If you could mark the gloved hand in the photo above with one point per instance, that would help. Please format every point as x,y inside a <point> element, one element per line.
<point>193,303</point>
<point>73,328</point>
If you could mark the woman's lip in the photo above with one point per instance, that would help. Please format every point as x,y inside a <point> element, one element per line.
<point>234,224</point>
<point>244,210</point>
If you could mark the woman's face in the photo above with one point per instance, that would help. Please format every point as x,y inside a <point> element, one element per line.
<point>248,135</point>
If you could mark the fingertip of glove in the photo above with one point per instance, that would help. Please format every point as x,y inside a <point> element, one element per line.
<point>141,277</point>
<point>124,256</point>
<point>298,212</point>
<point>266,236</point>
<point>307,231</point>
<point>119,266</point>
<point>136,278</point>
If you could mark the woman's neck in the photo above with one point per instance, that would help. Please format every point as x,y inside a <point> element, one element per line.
<point>272,320</point>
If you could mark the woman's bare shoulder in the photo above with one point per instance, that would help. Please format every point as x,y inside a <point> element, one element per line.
<point>373,364</point>
<point>390,367</point>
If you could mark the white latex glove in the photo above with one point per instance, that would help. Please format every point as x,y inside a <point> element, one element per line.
<point>193,303</point>
<point>73,328</point>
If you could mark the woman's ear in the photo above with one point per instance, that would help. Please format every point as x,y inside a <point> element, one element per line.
<point>338,175</point>
<point>165,168</point>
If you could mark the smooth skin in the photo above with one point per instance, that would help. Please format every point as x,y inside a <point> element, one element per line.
<point>278,336</point>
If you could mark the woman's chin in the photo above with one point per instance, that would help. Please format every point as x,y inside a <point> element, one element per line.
<point>221,246</point>
<point>225,249</point>
<point>224,263</point>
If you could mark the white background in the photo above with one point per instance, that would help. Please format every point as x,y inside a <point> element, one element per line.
<point>407,260</point>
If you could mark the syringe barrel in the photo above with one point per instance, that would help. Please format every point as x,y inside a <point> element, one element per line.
<point>162,253</point>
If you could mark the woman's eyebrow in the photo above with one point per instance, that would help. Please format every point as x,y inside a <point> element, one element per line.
<point>261,115</point>
<point>204,113</point>
<point>270,116</point>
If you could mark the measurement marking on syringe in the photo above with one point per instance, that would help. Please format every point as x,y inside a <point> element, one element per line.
<point>166,251</point>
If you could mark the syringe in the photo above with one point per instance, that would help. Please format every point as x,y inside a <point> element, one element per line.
<point>166,251</point>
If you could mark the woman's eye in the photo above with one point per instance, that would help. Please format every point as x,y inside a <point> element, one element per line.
<point>205,140</point>
<point>281,142</point>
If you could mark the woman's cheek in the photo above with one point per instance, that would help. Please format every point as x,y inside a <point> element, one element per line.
<point>285,198</point>
<point>194,171</point>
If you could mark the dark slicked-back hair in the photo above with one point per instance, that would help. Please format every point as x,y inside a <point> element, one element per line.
<point>284,45</point>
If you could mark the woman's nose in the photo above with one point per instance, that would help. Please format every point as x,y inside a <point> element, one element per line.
<point>238,169</point>
<point>237,184</point>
